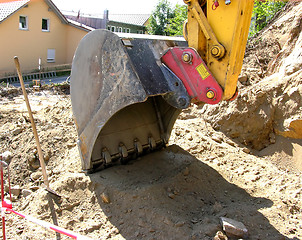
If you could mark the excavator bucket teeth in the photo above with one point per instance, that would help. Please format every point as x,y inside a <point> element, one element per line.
<point>124,101</point>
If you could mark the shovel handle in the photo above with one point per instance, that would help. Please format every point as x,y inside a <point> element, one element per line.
<point>41,159</point>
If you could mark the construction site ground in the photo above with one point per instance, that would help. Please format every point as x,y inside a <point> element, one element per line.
<point>241,160</point>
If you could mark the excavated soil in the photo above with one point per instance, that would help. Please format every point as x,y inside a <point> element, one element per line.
<point>241,160</point>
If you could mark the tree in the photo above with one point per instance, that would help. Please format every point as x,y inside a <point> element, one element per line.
<point>167,20</point>
<point>175,25</point>
<point>160,18</point>
<point>264,11</point>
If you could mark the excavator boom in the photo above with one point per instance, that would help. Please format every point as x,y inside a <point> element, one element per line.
<point>127,90</point>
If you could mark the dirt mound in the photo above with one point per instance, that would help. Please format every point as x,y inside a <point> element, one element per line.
<point>271,45</point>
<point>268,106</point>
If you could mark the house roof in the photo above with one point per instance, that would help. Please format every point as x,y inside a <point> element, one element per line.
<point>56,10</point>
<point>80,25</point>
<point>9,7</point>
<point>134,19</point>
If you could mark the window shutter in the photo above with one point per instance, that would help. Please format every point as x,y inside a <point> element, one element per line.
<point>51,55</point>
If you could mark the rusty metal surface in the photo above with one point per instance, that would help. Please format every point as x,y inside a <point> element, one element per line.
<point>103,81</point>
<point>145,55</point>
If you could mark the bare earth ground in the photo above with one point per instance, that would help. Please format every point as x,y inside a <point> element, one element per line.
<point>241,160</point>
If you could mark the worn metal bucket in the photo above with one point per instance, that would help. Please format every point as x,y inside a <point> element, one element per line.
<point>124,100</point>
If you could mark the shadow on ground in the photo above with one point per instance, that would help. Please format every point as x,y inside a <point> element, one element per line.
<point>172,195</point>
<point>286,152</point>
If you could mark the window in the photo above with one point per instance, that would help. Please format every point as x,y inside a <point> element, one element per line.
<point>23,23</point>
<point>119,29</point>
<point>112,28</point>
<point>140,31</point>
<point>51,55</point>
<point>45,25</point>
<point>128,30</point>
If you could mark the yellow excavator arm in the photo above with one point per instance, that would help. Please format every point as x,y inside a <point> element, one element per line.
<point>218,30</point>
<point>127,90</point>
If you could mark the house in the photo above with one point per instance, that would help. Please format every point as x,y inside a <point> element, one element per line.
<point>93,21</point>
<point>127,23</point>
<point>33,30</point>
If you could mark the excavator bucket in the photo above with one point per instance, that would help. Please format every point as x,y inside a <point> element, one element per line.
<point>124,99</point>
<point>127,90</point>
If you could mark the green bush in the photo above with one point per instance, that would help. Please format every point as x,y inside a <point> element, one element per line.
<point>263,12</point>
<point>167,20</point>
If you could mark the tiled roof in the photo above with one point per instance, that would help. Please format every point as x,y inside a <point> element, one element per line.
<point>8,7</point>
<point>77,24</point>
<point>134,19</point>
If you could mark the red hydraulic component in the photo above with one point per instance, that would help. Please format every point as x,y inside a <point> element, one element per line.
<point>234,96</point>
<point>215,5</point>
<point>189,67</point>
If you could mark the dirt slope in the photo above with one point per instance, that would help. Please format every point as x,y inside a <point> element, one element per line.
<point>229,160</point>
<point>273,104</point>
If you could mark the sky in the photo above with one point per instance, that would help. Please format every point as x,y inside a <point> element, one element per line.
<point>114,6</point>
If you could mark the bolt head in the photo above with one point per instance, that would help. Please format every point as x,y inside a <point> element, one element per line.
<point>215,51</point>
<point>210,94</point>
<point>181,101</point>
<point>187,57</point>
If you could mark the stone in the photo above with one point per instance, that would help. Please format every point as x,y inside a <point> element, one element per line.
<point>246,150</point>
<point>6,156</point>
<point>71,145</point>
<point>34,188</point>
<point>230,142</point>
<point>16,190</point>
<point>17,131</point>
<point>36,175</point>
<point>47,157</point>
<point>220,236</point>
<point>186,171</point>
<point>294,209</point>
<point>26,192</point>
<point>105,198</point>
<point>171,195</point>
<point>179,224</point>
<point>272,138</point>
<point>217,138</point>
<point>243,79</point>
<point>234,228</point>
<point>14,198</point>
<point>35,165</point>
<point>167,222</point>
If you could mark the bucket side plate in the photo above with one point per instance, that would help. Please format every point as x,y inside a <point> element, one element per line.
<point>103,82</point>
